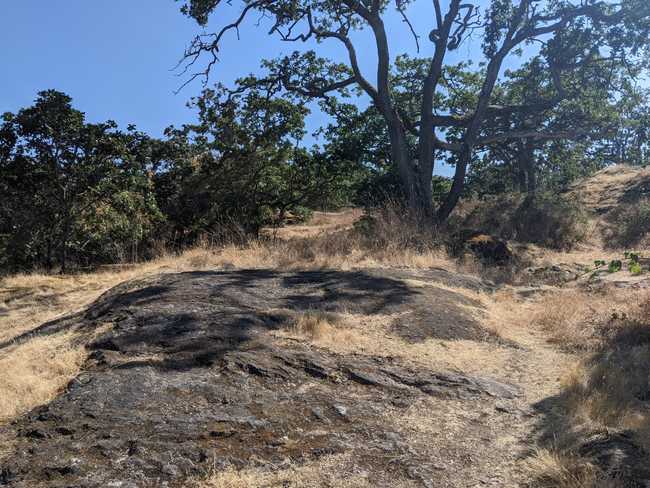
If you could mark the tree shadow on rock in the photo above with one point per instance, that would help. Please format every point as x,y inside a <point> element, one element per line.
<point>193,318</point>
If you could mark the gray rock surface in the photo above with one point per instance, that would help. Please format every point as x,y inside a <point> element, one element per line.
<point>188,378</point>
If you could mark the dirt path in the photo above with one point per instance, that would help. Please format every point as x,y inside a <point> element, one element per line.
<point>497,439</point>
<point>537,367</point>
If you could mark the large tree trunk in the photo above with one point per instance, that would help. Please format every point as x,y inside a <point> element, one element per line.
<point>382,98</point>
<point>416,185</point>
<point>425,192</point>
<point>472,132</point>
<point>426,157</point>
<point>521,177</point>
<point>457,185</point>
<point>528,162</point>
<point>64,256</point>
<point>65,239</point>
<point>526,167</point>
<point>48,255</point>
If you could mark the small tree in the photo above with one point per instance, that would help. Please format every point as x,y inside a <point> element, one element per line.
<point>240,167</point>
<point>56,171</point>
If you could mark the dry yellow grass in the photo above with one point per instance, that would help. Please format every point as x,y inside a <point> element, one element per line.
<point>596,393</point>
<point>573,318</point>
<point>372,335</point>
<point>329,472</point>
<point>602,392</point>
<point>35,371</point>
<point>606,189</point>
<point>557,469</point>
<point>320,223</point>
<point>315,324</point>
<point>339,250</point>
<point>28,300</point>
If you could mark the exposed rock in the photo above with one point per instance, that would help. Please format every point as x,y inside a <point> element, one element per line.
<point>619,456</point>
<point>490,249</point>
<point>341,410</point>
<point>533,291</point>
<point>606,190</point>
<point>189,377</point>
<point>555,274</point>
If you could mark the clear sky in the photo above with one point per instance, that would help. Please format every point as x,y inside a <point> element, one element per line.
<point>114,58</point>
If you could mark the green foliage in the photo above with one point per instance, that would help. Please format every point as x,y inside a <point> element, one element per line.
<point>239,168</point>
<point>635,268</point>
<point>301,214</point>
<point>57,171</point>
<point>572,107</point>
<point>633,264</point>
<point>441,187</point>
<point>630,224</point>
<point>615,266</point>
<point>632,256</point>
<point>544,219</point>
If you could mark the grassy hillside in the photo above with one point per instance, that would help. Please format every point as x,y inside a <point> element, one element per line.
<point>572,335</point>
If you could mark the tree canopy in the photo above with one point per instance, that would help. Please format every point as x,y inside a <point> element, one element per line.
<point>78,193</point>
<point>425,119</point>
<point>568,102</point>
<point>61,174</point>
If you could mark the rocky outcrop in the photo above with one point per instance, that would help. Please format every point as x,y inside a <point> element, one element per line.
<point>189,379</point>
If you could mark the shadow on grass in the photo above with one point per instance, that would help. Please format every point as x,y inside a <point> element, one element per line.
<point>602,420</point>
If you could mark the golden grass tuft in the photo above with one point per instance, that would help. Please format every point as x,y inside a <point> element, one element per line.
<point>605,390</point>
<point>330,472</point>
<point>34,372</point>
<point>315,324</point>
<point>578,320</point>
<point>556,469</point>
<point>31,299</point>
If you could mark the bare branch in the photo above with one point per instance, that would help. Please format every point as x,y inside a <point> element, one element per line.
<point>352,54</point>
<point>399,4</point>
<point>436,7</point>
<point>318,91</point>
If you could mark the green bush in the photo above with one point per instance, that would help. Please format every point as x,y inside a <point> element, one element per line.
<point>630,225</point>
<point>635,268</point>
<point>301,213</point>
<point>548,220</point>
<point>615,266</point>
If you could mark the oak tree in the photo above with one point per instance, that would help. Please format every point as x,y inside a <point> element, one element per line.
<point>616,31</point>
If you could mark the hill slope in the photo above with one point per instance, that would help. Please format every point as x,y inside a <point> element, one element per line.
<point>612,187</point>
<point>306,362</point>
<point>197,370</point>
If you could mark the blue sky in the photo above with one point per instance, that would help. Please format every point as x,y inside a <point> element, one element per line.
<point>115,57</point>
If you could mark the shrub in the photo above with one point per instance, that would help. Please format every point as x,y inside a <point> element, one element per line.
<point>629,225</point>
<point>604,398</point>
<point>615,266</point>
<point>545,219</point>
<point>301,213</point>
<point>396,227</point>
<point>635,268</point>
